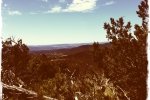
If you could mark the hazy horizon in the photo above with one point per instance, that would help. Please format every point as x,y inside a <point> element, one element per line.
<point>57,44</point>
<point>90,43</point>
<point>44,22</point>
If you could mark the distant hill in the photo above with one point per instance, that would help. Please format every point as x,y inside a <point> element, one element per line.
<point>64,48</point>
<point>78,55</point>
<point>54,47</point>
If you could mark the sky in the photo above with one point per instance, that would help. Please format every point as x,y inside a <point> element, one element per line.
<point>43,22</point>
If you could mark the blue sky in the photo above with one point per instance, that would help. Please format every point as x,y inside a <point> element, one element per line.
<point>40,22</point>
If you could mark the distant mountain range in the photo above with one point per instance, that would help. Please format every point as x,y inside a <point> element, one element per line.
<point>57,46</point>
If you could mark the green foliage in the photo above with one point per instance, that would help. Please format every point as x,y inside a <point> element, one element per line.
<point>126,60</point>
<point>117,31</point>
<point>41,67</point>
<point>15,56</point>
<point>87,87</point>
<point>143,14</point>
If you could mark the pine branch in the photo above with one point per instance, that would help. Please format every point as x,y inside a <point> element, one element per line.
<point>125,94</point>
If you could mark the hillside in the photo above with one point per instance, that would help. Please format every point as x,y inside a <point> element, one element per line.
<point>63,48</point>
<point>54,46</point>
